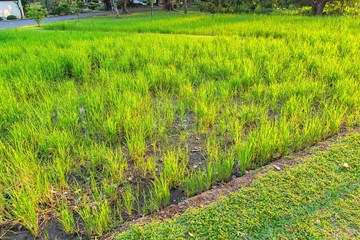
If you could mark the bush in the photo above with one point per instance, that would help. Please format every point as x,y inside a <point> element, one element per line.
<point>214,7</point>
<point>92,5</point>
<point>241,8</point>
<point>11,17</point>
<point>37,14</point>
<point>85,11</point>
<point>63,9</point>
<point>80,4</point>
<point>262,10</point>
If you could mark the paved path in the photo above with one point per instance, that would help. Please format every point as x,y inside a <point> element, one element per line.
<point>27,22</point>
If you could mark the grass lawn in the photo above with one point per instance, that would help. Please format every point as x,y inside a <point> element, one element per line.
<point>316,199</point>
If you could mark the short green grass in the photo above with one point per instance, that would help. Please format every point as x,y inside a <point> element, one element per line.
<point>102,118</point>
<point>316,199</point>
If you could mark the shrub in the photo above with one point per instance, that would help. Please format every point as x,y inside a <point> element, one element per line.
<point>92,5</point>
<point>214,7</point>
<point>11,17</point>
<point>1,19</point>
<point>37,14</point>
<point>63,9</point>
<point>262,10</point>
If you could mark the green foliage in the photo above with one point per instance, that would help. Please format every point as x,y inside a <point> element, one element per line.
<point>278,7</point>
<point>66,218</point>
<point>11,17</point>
<point>25,6</point>
<point>93,5</point>
<point>62,9</point>
<point>37,14</point>
<point>314,199</point>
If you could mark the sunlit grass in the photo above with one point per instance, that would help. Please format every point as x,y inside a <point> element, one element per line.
<point>117,114</point>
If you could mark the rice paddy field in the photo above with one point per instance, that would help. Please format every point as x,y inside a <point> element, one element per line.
<point>106,120</point>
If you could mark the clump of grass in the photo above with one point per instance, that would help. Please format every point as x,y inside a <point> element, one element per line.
<point>161,192</point>
<point>66,218</point>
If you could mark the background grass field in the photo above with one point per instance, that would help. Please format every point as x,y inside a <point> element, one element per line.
<point>105,120</point>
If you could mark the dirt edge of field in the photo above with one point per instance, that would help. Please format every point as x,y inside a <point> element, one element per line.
<point>216,192</point>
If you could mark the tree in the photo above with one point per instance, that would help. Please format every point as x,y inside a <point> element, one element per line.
<point>114,6</point>
<point>168,5</point>
<point>19,5</point>
<point>318,7</point>
<point>37,14</point>
<point>76,8</point>
<point>108,5</point>
<point>124,9</point>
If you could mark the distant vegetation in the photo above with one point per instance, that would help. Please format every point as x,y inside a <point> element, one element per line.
<point>108,119</point>
<point>283,7</point>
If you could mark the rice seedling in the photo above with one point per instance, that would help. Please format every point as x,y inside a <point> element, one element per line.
<point>161,191</point>
<point>99,121</point>
<point>127,199</point>
<point>66,217</point>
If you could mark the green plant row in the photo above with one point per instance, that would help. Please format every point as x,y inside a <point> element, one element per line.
<point>317,199</point>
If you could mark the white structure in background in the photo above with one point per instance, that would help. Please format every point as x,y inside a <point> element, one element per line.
<point>10,8</point>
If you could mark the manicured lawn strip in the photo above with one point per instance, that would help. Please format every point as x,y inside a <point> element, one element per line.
<point>319,198</point>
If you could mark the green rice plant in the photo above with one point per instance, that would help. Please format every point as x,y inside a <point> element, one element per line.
<point>181,113</point>
<point>191,185</point>
<point>115,165</point>
<point>206,178</point>
<point>206,115</point>
<point>24,209</point>
<point>146,166</point>
<point>61,169</point>
<point>97,216</point>
<point>285,136</point>
<point>128,199</point>
<point>137,145</point>
<point>144,208</point>
<point>110,189</point>
<point>161,189</point>
<point>174,170</point>
<point>335,116</point>
<point>246,153</point>
<point>66,217</point>
<point>137,200</point>
<point>267,141</point>
<point>2,207</point>
<point>152,203</point>
<point>224,166</point>
<point>118,210</point>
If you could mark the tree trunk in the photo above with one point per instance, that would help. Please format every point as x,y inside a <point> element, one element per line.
<point>18,4</point>
<point>108,6</point>
<point>318,7</point>
<point>157,3</point>
<point>341,10</point>
<point>124,9</point>
<point>185,6</point>
<point>168,5</point>
<point>152,7</point>
<point>114,6</point>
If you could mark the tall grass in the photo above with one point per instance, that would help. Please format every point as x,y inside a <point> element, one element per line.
<point>117,113</point>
